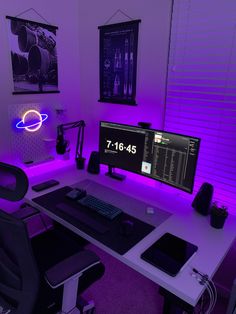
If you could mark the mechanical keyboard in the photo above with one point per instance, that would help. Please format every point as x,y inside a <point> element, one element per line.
<point>103,208</point>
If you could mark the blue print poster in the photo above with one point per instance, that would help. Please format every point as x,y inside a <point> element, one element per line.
<point>118,62</point>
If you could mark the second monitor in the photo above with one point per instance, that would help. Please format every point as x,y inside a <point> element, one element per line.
<point>168,157</point>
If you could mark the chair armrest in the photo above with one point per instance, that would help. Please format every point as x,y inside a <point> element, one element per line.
<point>26,212</point>
<point>71,267</point>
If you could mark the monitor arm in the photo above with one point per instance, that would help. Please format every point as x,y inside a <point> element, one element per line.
<point>63,144</point>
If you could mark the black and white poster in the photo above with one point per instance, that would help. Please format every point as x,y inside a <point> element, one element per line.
<point>118,62</point>
<point>33,56</point>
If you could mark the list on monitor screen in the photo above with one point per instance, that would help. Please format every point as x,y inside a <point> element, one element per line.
<point>164,156</point>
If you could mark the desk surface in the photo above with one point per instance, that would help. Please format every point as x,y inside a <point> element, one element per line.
<point>184,222</point>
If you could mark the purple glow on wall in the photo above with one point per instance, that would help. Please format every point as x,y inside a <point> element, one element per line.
<point>151,68</point>
<point>201,93</point>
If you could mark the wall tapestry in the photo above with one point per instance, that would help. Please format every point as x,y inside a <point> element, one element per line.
<point>118,62</point>
<point>33,56</point>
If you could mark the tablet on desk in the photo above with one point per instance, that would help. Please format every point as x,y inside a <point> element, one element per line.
<point>169,253</point>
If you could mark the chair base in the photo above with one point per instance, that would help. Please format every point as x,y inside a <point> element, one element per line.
<point>83,307</point>
<point>74,311</point>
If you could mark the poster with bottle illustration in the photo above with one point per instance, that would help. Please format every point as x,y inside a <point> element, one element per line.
<point>118,62</point>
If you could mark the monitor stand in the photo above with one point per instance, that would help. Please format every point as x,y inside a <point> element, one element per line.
<point>111,173</point>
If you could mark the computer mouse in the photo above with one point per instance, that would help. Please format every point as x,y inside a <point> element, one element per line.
<point>126,228</point>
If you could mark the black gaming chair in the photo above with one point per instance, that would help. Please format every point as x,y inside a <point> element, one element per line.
<point>33,272</point>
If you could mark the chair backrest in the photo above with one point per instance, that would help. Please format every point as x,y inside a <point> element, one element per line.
<point>13,182</point>
<point>19,278</point>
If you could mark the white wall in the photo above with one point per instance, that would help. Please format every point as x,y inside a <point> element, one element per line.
<point>152,62</point>
<point>63,14</point>
<point>78,62</point>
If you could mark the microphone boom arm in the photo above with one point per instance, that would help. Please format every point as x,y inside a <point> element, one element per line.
<point>80,139</point>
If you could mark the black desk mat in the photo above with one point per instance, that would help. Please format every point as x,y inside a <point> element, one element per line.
<point>113,238</point>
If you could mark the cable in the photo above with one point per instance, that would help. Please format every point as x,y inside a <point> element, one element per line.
<point>202,305</point>
<point>203,279</point>
<point>210,282</point>
<point>202,309</point>
<point>211,291</point>
<point>211,298</point>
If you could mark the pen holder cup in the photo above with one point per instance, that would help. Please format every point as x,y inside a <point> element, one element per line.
<point>49,144</point>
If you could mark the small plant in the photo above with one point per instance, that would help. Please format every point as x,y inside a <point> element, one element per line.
<point>218,216</point>
<point>221,211</point>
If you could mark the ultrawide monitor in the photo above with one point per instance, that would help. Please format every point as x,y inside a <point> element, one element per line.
<point>167,157</point>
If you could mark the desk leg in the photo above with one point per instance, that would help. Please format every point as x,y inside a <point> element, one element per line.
<point>173,304</point>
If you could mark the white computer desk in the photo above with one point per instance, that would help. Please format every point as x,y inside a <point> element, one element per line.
<point>184,222</point>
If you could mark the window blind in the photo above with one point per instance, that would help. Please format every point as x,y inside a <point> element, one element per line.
<point>201,89</point>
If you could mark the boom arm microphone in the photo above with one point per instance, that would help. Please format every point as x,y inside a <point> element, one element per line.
<point>62,144</point>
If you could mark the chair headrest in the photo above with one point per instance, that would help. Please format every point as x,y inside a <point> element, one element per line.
<point>12,192</point>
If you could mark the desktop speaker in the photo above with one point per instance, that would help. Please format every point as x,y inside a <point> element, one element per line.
<point>203,199</point>
<point>94,163</point>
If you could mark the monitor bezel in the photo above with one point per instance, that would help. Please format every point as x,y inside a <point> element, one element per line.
<point>146,176</point>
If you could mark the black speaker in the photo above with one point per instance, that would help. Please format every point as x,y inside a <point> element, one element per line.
<point>203,199</point>
<point>94,163</point>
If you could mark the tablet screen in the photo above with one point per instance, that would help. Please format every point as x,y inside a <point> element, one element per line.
<point>169,253</point>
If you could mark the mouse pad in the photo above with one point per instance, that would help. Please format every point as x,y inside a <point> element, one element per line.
<point>169,253</point>
<point>119,236</point>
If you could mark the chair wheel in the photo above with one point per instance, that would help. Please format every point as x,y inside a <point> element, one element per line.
<point>85,307</point>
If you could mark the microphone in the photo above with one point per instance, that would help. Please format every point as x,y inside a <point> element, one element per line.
<point>61,144</point>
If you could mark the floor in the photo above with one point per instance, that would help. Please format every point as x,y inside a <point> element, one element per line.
<point>124,291</point>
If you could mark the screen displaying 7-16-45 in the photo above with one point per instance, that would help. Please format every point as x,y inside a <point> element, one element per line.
<point>167,157</point>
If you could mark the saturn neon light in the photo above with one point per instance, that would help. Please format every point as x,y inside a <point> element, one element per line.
<point>32,126</point>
